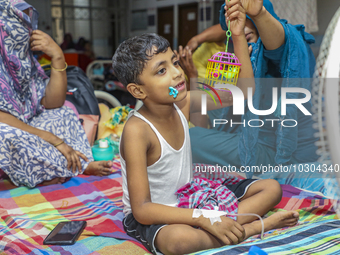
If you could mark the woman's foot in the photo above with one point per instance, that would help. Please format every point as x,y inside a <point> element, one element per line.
<point>58,180</point>
<point>277,220</point>
<point>99,168</point>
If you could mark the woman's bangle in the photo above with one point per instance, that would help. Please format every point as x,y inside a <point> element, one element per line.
<point>60,70</point>
<point>57,144</point>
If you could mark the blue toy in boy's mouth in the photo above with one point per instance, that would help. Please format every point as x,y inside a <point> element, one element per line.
<point>173,92</point>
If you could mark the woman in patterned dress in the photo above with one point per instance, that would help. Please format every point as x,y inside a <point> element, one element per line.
<point>41,141</point>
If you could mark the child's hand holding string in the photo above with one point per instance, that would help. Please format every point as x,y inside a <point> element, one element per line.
<point>236,14</point>
<point>235,10</point>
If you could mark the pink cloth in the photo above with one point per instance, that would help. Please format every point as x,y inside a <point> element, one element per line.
<point>202,193</point>
<point>69,104</point>
<point>3,175</point>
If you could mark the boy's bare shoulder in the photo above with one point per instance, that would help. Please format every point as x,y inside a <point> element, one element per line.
<point>135,127</point>
<point>135,135</point>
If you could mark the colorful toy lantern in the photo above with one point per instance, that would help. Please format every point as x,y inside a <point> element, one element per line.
<point>223,67</point>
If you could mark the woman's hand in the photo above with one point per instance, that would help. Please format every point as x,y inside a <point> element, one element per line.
<point>41,41</point>
<point>72,156</point>
<point>236,14</point>
<point>56,88</point>
<point>252,7</point>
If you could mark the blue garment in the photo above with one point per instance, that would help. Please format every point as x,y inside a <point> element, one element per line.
<point>266,3</point>
<point>297,62</point>
<point>292,61</point>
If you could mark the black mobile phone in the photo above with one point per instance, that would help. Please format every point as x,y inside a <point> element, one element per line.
<point>65,233</point>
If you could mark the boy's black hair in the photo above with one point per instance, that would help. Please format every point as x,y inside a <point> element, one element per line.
<point>131,56</point>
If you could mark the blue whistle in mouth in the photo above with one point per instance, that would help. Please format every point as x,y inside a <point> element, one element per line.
<point>173,92</point>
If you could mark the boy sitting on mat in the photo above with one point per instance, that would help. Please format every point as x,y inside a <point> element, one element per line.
<point>156,154</point>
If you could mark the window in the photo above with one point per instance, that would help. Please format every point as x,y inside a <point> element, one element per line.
<point>139,20</point>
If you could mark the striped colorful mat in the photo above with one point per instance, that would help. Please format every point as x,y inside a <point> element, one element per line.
<point>28,215</point>
<point>316,232</point>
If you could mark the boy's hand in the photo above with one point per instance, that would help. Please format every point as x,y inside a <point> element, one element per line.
<point>237,16</point>
<point>228,231</point>
<point>41,41</point>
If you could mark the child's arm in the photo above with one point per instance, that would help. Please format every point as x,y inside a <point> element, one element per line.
<point>270,29</point>
<point>212,34</point>
<point>55,93</point>
<point>237,18</point>
<point>135,146</point>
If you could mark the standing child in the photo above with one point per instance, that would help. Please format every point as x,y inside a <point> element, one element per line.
<point>156,155</point>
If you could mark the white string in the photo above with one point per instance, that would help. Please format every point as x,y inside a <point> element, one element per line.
<point>251,214</point>
<point>215,216</point>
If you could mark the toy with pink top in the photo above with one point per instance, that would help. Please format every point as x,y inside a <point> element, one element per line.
<point>223,67</point>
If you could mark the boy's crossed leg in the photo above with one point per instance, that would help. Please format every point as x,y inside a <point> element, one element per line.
<point>261,197</point>
<point>184,239</point>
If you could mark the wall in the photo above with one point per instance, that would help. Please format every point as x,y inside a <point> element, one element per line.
<point>326,10</point>
<point>91,20</point>
<point>152,5</point>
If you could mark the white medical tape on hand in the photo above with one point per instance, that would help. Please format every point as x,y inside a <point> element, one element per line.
<point>214,216</point>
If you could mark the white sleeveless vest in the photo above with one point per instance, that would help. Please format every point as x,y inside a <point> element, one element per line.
<point>170,172</point>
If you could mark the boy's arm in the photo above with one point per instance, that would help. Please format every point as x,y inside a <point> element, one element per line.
<point>270,29</point>
<point>134,148</point>
<point>237,18</point>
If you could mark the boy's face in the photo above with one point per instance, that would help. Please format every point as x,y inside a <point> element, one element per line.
<point>161,72</point>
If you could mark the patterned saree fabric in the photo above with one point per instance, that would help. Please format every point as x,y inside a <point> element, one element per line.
<point>22,80</point>
<point>26,158</point>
